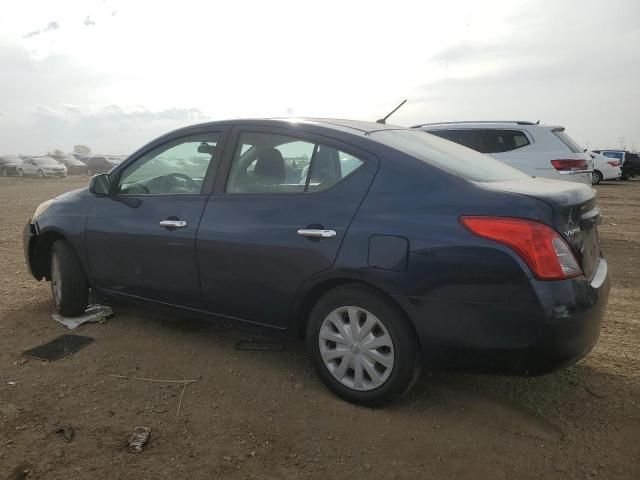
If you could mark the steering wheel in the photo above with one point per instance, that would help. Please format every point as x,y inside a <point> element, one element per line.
<point>190,184</point>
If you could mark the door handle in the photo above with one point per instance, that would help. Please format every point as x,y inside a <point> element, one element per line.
<point>173,223</point>
<point>316,233</point>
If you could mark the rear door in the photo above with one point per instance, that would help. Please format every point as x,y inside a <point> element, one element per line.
<point>278,216</point>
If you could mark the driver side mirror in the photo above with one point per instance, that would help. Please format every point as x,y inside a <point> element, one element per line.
<point>100,184</point>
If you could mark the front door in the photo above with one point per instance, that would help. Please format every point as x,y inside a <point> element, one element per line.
<point>279,218</point>
<point>141,238</point>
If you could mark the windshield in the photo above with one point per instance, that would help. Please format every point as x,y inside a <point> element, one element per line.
<point>448,156</point>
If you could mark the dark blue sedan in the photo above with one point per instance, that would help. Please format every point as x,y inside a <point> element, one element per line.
<point>386,248</point>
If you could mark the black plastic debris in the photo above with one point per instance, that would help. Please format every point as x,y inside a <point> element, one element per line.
<point>260,345</point>
<point>58,348</point>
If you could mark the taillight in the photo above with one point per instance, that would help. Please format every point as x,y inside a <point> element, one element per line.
<point>614,163</point>
<point>542,248</point>
<point>567,165</point>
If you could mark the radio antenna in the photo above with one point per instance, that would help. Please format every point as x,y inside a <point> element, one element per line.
<point>384,120</point>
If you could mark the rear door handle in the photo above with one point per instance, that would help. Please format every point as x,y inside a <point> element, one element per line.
<point>173,223</point>
<point>316,233</point>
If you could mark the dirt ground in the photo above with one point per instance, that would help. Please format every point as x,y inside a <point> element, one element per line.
<point>252,414</point>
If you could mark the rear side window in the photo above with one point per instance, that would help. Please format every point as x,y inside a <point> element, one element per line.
<point>568,141</point>
<point>448,156</point>
<point>474,139</point>
<point>506,140</point>
<point>618,155</point>
<point>270,163</point>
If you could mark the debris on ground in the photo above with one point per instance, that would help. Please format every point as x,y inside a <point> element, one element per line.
<point>94,313</point>
<point>138,439</point>
<point>21,472</point>
<point>67,432</point>
<point>58,347</point>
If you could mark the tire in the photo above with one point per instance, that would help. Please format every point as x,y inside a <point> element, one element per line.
<point>89,172</point>
<point>40,174</point>
<point>399,348</point>
<point>20,172</point>
<point>624,177</point>
<point>4,172</point>
<point>69,285</point>
<point>596,177</point>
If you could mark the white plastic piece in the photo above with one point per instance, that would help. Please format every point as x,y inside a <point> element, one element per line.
<point>93,313</point>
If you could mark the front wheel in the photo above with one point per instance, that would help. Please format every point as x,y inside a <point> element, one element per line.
<point>596,177</point>
<point>69,284</point>
<point>362,346</point>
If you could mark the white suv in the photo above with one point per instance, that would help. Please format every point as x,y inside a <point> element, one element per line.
<point>538,150</point>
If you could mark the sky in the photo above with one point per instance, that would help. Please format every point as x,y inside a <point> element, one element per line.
<point>115,74</point>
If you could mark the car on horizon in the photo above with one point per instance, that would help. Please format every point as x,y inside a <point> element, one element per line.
<point>102,163</point>
<point>74,166</point>
<point>604,168</point>
<point>629,162</point>
<point>538,150</point>
<point>41,167</point>
<point>384,247</point>
<point>9,165</point>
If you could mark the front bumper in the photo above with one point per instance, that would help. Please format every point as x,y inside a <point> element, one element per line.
<point>28,239</point>
<point>556,327</point>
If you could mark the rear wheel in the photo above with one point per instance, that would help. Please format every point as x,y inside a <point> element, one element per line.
<point>4,172</point>
<point>362,346</point>
<point>89,172</point>
<point>596,177</point>
<point>20,172</point>
<point>69,285</point>
<point>40,174</point>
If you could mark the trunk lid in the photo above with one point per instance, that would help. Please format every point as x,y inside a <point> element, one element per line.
<point>575,214</point>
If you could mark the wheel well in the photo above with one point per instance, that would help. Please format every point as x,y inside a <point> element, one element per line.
<point>40,254</point>
<point>312,297</point>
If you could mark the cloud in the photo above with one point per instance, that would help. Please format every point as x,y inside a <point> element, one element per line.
<point>51,26</point>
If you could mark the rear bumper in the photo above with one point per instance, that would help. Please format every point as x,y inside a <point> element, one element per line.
<point>558,326</point>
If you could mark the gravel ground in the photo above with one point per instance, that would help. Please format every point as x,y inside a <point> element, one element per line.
<point>265,415</point>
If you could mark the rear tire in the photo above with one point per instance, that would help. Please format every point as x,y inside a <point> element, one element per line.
<point>69,285</point>
<point>596,177</point>
<point>4,172</point>
<point>373,336</point>
<point>20,172</point>
<point>89,172</point>
<point>40,174</point>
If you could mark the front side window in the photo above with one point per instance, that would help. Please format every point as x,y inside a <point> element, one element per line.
<point>178,167</point>
<point>269,163</point>
<point>506,140</point>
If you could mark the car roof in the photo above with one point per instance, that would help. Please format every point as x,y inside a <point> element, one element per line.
<point>345,125</point>
<point>485,124</point>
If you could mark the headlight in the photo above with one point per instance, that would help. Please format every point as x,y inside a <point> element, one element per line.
<point>41,209</point>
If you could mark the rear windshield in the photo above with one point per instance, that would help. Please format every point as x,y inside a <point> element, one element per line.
<point>568,141</point>
<point>448,156</point>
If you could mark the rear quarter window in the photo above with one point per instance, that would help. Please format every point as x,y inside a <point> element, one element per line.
<point>500,141</point>
<point>448,156</point>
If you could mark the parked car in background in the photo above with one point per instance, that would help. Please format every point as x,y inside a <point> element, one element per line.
<point>538,150</point>
<point>604,168</point>
<point>392,249</point>
<point>74,167</point>
<point>102,164</point>
<point>41,167</point>
<point>9,165</point>
<point>630,162</point>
